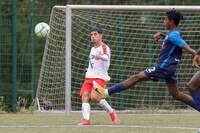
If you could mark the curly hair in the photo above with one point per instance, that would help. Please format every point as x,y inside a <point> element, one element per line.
<point>174,15</point>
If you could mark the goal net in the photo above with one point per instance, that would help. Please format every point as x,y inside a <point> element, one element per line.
<point>128,31</point>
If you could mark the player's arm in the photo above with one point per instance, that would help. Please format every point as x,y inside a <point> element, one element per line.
<point>198,52</point>
<point>196,60</point>
<point>176,39</point>
<point>157,36</point>
<point>189,50</point>
<point>106,54</point>
<point>103,57</point>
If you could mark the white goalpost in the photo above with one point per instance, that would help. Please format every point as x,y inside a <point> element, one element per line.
<point>128,31</point>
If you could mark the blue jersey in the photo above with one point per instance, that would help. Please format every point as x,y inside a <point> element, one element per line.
<point>170,55</point>
<point>171,51</point>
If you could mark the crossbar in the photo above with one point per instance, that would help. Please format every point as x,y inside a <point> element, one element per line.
<point>132,7</point>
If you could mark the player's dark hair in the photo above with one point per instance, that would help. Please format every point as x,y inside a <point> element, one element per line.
<point>99,30</point>
<point>174,15</point>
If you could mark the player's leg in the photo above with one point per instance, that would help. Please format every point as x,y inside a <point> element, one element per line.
<point>121,86</point>
<point>86,105</point>
<point>177,95</point>
<point>95,97</point>
<point>85,96</point>
<point>194,85</point>
<point>103,103</point>
<point>173,90</point>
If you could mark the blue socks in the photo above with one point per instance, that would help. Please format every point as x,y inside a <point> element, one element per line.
<point>195,103</point>
<point>196,95</point>
<point>116,88</point>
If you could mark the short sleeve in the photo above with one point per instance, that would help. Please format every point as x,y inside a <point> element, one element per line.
<point>176,39</point>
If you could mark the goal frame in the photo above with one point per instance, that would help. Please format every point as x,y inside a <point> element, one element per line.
<point>111,7</point>
<point>69,8</point>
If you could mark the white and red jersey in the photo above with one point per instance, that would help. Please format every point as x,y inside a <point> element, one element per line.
<point>98,68</point>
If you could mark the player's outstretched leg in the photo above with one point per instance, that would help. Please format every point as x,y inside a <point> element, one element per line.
<point>120,86</point>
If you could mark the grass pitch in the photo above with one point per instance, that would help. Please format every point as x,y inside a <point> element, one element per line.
<point>101,123</point>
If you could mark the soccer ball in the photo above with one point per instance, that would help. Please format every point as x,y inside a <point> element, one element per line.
<point>42,29</point>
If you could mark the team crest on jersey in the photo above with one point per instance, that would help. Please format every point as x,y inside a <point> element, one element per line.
<point>91,61</point>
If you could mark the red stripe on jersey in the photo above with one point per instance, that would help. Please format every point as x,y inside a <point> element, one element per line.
<point>104,49</point>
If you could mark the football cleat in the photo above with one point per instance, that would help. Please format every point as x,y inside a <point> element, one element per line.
<point>114,117</point>
<point>85,122</point>
<point>99,89</point>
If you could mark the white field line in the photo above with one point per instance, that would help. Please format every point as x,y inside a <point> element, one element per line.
<point>128,126</point>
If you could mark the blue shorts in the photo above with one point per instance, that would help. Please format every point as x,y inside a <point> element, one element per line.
<point>155,73</point>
